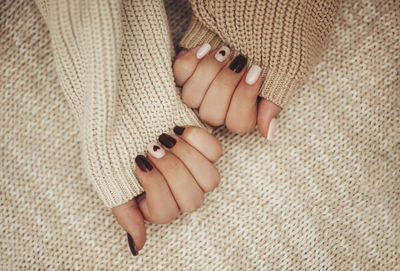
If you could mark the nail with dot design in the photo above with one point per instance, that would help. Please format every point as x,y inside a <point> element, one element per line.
<point>155,150</point>
<point>253,74</point>
<point>222,54</point>
<point>132,245</point>
<point>179,130</point>
<point>167,140</point>
<point>203,50</point>
<point>143,163</point>
<point>238,64</point>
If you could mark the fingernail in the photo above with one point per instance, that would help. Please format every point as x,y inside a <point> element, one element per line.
<point>238,63</point>
<point>155,150</point>
<point>179,130</point>
<point>132,245</point>
<point>253,74</point>
<point>222,54</point>
<point>167,140</point>
<point>271,129</point>
<point>203,50</point>
<point>143,163</point>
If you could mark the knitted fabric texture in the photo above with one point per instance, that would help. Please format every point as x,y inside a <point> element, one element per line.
<point>106,72</point>
<point>325,195</point>
<point>285,38</point>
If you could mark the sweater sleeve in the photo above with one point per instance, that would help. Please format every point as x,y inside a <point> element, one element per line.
<point>284,37</point>
<point>107,54</point>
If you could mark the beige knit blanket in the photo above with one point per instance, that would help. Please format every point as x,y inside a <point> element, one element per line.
<point>325,195</point>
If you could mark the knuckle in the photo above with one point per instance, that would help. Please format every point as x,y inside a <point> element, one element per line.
<point>240,127</point>
<point>184,64</point>
<point>212,183</point>
<point>188,100</point>
<point>194,204</point>
<point>166,216</point>
<point>210,119</point>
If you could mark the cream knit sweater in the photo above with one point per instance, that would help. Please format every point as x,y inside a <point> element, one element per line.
<point>324,196</point>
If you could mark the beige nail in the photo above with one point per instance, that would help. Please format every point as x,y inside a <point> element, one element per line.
<point>203,50</point>
<point>253,74</point>
<point>271,129</point>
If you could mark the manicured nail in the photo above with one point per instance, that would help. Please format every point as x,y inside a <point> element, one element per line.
<point>132,245</point>
<point>203,50</point>
<point>179,130</point>
<point>167,140</point>
<point>271,129</point>
<point>253,74</point>
<point>222,54</point>
<point>143,163</point>
<point>155,150</point>
<point>238,63</point>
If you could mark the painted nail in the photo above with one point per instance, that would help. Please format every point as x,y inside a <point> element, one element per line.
<point>179,130</point>
<point>222,53</point>
<point>167,140</point>
<point>253,74</point>
<point>203,50</point>
<point>132,245</point>
<point>143,163</point>
<point>155,150</point>
<point>238,63</point>
<point>271,129</point>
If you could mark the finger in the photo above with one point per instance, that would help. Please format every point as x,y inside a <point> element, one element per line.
<point>203,171</point>
<point>215,104</point>
<point>266,118</point>
<point>158,204</point>
<point>242,113</point>
<point>196,86</point>
<point>131,220</point>
<point>201,140</point>
<point>187,193</point>
<point>184,65</point>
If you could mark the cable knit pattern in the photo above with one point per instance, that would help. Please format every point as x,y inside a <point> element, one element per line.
<point>106,72</point>
<point>285,38</point>
<point>325,195</point>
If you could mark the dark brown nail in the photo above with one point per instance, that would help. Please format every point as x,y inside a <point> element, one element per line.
<point>167,140</point>
<point>179,130</point>
<point>143,163</point>
<point>132,245</point>
<point>238,63</point>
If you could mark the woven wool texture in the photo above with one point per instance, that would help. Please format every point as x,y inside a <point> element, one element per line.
<point>106,70</point>
<point>285,38</point>
<point>325,195</point>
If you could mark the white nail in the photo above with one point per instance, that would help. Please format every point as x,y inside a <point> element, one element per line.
<point>271,129</point>
<point>155,150</point>
<point>203,50</point>
<point>222,53</point>
<point>253,74</point>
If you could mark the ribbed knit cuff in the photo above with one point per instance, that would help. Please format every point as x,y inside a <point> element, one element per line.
<point>277,87</point>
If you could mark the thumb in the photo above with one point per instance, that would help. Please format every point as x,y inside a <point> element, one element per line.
<point>266,118</point>
<point>131,219</point>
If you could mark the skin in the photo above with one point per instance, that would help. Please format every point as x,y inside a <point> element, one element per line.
<point>222,96</point>
<point>176,183</point>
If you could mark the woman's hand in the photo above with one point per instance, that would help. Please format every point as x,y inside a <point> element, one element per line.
<point>175,175</point>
